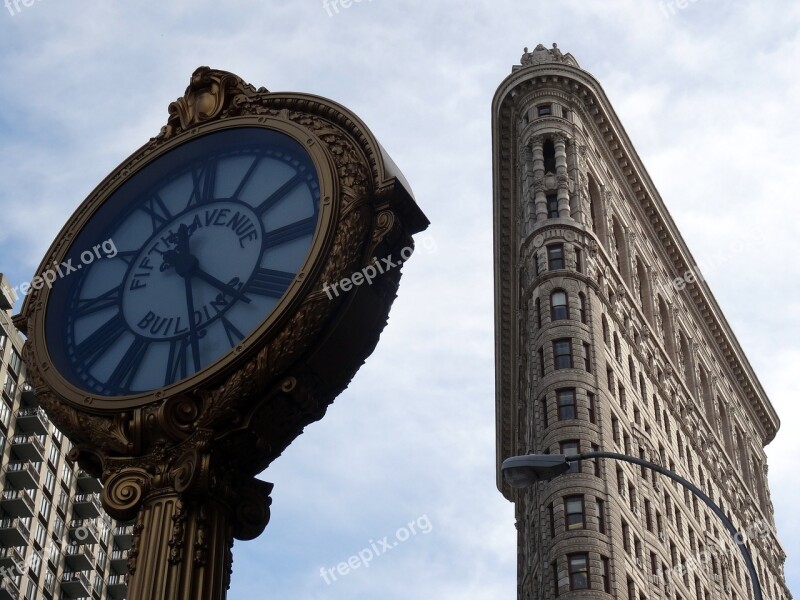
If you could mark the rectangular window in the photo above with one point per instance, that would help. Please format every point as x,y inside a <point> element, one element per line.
<point>555,257</point>
<point>552,206</point>
<point>541,362</point>
<point>596,461</point>
<point>58,526</point>
<point>544,110</point>
<point>571,448</point>
<point>610,379</point>
<point>578,571</point>
<point>615,429</point>
<point>54,455</point>
<point>67,475</point>
<point>605,574</point>
<point>579,263</point>
<point>41,534</point>
<point>9,385</point>
<point>50,481</point>
<point>5,412</point>
<point>554,569</point>
<point>49,581</point>
<point>587,358</point>
<point>562,353</point>
<point>592,408</point>
<point>36,563</point>
<point>538,309</point>
<point>573,513</point>
<point>44,508</point>
<point>648,515</point>
<point>545,420</point>
<point>626,537</point>
<point>55,553</point>
<point>566,404</point>
<point>552,513</point>
<point>622,399</point>
<point>14,362</point>
<point>601,515</point>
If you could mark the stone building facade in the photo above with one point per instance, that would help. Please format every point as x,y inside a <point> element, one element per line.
<point>56,542</point>
<point>608,338</point>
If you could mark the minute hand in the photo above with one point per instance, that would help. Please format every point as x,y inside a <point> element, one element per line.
<point>224,287</point>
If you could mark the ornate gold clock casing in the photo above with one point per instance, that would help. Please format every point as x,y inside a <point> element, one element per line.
<point>182,457</point>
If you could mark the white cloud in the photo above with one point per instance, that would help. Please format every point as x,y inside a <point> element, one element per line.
<point>707,95</point>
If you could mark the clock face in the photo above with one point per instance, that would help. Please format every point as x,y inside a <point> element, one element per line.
<point>183,261</point>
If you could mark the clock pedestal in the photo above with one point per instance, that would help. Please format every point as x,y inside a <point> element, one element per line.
<point>181,461</point>
<point>183,540</point>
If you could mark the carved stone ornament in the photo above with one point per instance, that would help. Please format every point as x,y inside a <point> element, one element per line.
<point>182,461</point>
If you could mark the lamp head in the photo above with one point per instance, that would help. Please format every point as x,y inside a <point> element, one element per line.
<point>524,471</point>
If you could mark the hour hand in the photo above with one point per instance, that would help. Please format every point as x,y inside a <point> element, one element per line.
<point>227,289</point>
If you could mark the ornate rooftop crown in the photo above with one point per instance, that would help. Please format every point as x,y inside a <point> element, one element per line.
<point>542,55</point>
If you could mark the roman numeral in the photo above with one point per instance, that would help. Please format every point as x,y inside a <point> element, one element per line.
<point>279,194</point>
<point>98,343</point>
<point>109,299</point>
<point>269,282</point>
<point>129,365</point>
<point>203,183</point>
<point>127,255</point>
<point>246,178</point>
<point>234,335</point>
<point>159,214</point>
<point>176,363</point>
<point>291,232</point>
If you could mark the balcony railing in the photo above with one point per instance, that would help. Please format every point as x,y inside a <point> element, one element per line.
<point>87,505</point>
<point>32,419</point>
<point>23,474</point>
<point>17,503</point>
<point>17,524</point>
<point>29,447</point>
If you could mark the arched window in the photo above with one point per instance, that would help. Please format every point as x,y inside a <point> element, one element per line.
<point>594,204</point>
<point>688,363</point>
<point>559,308</point>
<point>725,424</point>
<point>704,389</point>
<point>620,250</point>
<point>666,327</point>
<point>744,463</point>
<point>645,291</point>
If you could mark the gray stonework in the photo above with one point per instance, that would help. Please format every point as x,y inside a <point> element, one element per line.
<point>670,382</point>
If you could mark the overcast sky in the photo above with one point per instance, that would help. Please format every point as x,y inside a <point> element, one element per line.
<point>708,94</point>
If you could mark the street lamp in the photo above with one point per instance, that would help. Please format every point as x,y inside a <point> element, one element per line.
<point>524,471</point>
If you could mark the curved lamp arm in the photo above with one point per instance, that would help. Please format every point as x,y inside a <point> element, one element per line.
<point>737,537</point>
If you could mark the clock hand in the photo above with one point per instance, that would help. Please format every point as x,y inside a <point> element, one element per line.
<point>192,326</point>
<point>224,287</point>
<point>180,257</point>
